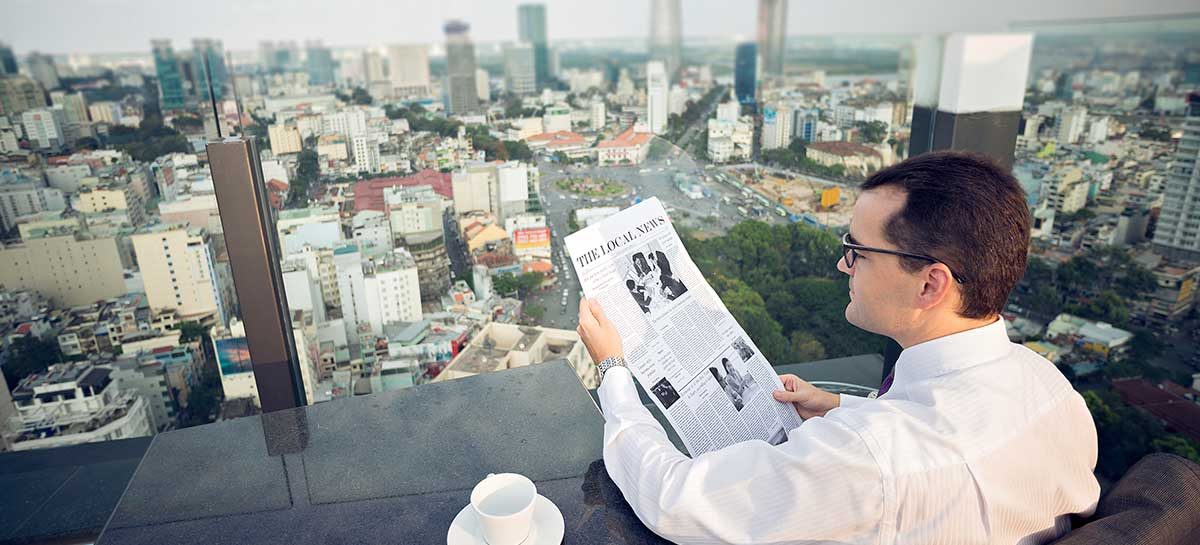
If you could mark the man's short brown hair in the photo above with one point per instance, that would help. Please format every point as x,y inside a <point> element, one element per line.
<point>967,212</point>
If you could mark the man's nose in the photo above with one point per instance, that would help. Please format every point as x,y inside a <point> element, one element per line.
<point>841,266</point>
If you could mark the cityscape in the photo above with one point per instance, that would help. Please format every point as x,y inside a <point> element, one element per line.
<point>420,194</point>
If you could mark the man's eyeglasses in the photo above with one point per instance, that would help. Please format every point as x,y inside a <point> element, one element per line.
<point>851,250</point>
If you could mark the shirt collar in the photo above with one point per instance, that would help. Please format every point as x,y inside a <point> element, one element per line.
<point>953,352</point>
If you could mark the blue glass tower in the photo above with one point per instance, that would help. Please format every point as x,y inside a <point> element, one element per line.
<point>170,78</point>
<point>745,73</point>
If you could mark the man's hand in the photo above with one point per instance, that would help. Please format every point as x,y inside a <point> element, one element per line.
<point>598,334</point>
<point>808,400</point>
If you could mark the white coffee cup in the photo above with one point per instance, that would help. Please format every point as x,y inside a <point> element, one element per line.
<point>503,503</point>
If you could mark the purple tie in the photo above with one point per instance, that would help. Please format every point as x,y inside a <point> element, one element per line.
<point>887,383</point>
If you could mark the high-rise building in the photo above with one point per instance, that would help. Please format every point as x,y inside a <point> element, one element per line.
<point>776,127</point>
<point>25,195</point>
<point>74,107</point>
<point>348,261</point>
<point>177,268</point>
<point>462,93</point>
<point>666,39</point>
<point>19,93</point>
<point>209,58</point>
<point>366,153</point>
<point>70,269</point>
<point>75,403</point>
<point>170,77</point>
<point>279,56</point>
<point>44,127</point>
<point>599,115</point>
<point>745,73</point>
<point>476,188</point>
<point>657,98</point>
<point>373,67</point>
<point>413,209</point>
<point>520,75</point>
<point>393,290</point>
<point>483,88</point>
<point>408,67</point>
<point>1071,124</point>
<point>433,263</point>
<point>42,68</point>
<point>772,33</point>
<point>531,29</point>
<point>318,63</point>
<point>8,60</point>
<point>349,122</point>
<point>1178,233</point>
<point>284,139</point>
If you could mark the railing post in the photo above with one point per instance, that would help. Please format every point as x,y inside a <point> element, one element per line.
<point>251,240</point>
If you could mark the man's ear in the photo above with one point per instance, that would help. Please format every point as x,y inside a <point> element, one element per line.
<point>936,286</point>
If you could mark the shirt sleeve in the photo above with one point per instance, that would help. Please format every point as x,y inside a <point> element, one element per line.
<point>822,484</point>
<point>849,401</point>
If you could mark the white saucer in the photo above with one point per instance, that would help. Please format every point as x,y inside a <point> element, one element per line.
<point>547,528</point>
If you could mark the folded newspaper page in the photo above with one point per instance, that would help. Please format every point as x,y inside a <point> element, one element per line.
<point>682,344</point>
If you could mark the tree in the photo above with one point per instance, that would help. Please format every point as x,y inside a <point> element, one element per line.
<point>185,122</point>
<point>517,150</point>
<point>798,148</point>
<point>873,132</point>
<point>805,347</point>
<point>1126,434</point>
<point>534,313</point>
<point>205,399</point>
<point>30,355</point>
<point>190,331</point>
<point>308,173</point>
<point>361,96</point>
<point>748,309</point>
<point>1177,445</point>
<point>521,286</point>
<point>150,140</point>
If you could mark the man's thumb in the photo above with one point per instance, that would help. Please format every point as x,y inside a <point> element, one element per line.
<point>784,396</point>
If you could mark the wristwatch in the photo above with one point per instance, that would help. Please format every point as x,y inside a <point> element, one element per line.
<point>609,363</point>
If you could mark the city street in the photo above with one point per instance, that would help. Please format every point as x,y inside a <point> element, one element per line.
<point>654,178</point>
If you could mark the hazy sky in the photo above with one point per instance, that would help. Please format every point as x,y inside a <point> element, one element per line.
<point>67,26</point>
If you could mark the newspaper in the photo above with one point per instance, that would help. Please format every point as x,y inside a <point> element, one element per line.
<point>682,345</point>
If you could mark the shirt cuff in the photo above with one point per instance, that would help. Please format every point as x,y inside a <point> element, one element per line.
<point>847,400</point>
<point>616,389</point>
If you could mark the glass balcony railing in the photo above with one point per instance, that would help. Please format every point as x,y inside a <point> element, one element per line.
<point>255,290</point>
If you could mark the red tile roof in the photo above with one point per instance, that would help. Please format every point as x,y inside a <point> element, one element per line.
<point>1177,412</point>
<point>368,194</point>
<point>626,139</point>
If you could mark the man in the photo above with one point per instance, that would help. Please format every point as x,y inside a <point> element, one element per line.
<point>972,439</point>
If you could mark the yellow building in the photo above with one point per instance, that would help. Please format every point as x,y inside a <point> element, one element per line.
<point>107,198</point>
<point>70,269</point>
<point>484,234</point>
<point>178,273</point>
<point>284,139</point>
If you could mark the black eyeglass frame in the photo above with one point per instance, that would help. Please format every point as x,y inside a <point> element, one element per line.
<point>850,254</point>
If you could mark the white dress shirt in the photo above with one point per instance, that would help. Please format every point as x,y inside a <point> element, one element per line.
<point>979,440</point>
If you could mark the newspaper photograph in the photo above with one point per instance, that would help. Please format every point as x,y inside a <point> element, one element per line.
<point>681,343</point>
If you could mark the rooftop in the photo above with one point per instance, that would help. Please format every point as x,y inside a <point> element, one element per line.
<point>368,194</point>
<point>557,139</point>
<point>626,139</point>
<point>1178,412</point>
<point>843,149</point>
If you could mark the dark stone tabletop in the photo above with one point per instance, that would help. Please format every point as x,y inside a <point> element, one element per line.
<point>392,467</point>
